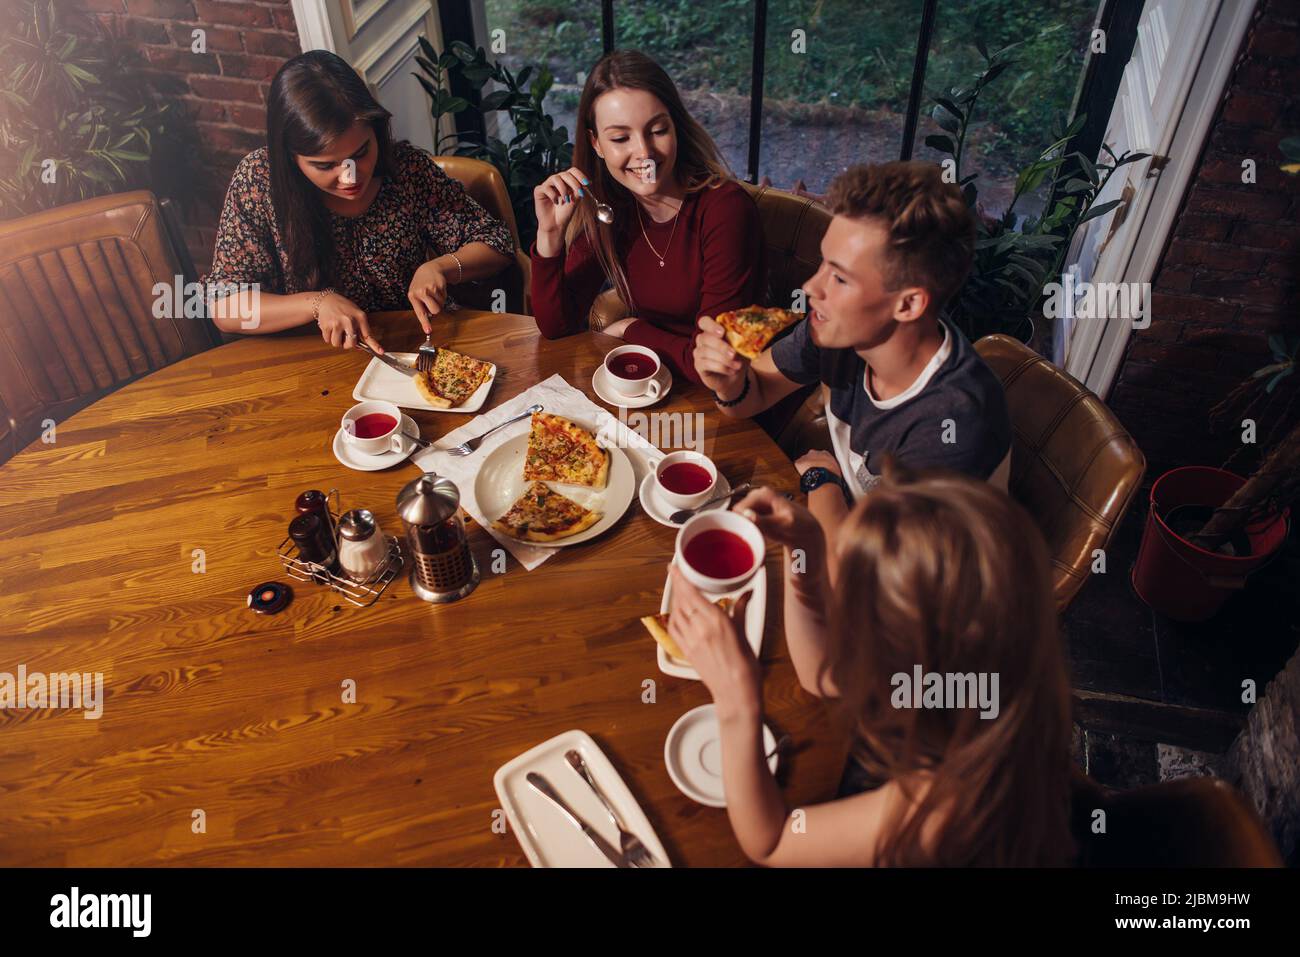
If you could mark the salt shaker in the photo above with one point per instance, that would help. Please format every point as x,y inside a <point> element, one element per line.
<point>362,546</point>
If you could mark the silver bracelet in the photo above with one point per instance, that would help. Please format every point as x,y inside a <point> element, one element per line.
<point>460,275</point>
<point>315,303</point>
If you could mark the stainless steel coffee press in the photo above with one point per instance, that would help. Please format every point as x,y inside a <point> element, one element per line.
<point>442,568</point>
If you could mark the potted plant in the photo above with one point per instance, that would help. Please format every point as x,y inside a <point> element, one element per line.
<point>1016,257</point>
<point>1209,528</point>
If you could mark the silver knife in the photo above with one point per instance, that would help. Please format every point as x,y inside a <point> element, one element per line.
<point>543,787</point>
<point>389,361</point>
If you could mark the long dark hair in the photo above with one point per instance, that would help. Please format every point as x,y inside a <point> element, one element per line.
<point>699,165</point>
<point>315,98</point>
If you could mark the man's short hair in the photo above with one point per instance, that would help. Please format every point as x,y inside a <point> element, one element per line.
<point>931,230</point>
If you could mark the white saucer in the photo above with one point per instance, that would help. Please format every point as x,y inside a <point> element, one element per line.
<point>599,382</point>
<point>693,754</point>
<point>660,511</point>
<point>362,462</point>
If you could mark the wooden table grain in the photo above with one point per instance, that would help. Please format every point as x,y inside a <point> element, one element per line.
<point>128,546</point>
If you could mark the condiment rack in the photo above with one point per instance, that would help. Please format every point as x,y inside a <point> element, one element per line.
<point>361,594</point>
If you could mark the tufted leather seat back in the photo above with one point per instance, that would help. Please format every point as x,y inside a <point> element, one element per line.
<point>486,187</point>
<point>76,307</point>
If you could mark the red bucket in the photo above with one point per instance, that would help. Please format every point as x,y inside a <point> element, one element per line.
<point>1183,581</point>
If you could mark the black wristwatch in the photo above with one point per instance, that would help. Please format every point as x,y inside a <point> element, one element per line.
<point>816,477</point>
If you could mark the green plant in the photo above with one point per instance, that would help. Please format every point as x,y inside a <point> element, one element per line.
<point>66,134</point>
<point>1016,257</point>
<point>537,149</point>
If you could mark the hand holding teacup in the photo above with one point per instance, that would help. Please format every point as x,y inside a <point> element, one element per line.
<point>784,521</point>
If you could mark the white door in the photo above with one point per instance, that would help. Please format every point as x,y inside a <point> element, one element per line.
<point>1169,94</point>
<point>379,39</point>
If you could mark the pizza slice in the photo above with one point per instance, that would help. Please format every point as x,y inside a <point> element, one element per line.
<point>750,330</point>
<point>544,515</point>
<point>563,451</point>
<point>452,380</point>
<point>657,625</point>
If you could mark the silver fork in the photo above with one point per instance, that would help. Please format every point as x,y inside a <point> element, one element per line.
<point>470,445</point>
<point>634,852</point>
<point>427,354</point>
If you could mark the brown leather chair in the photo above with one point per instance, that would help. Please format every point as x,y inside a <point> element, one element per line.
<point>1073,465</point>
<point>1193,822</point>
<point>76,307</point>
<point>486,187</point>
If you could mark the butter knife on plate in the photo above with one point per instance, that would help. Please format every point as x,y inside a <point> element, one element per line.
<point>543,787</point>
<point>388,360</point>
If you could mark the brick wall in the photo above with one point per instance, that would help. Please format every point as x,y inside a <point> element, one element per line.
<point>223,90</point>
<point>1228,277</point>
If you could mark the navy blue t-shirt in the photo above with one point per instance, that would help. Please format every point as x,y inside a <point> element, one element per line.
<point>953,416</point>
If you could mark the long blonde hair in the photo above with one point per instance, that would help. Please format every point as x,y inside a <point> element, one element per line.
<point>699,163</point>
<point>947,572</point>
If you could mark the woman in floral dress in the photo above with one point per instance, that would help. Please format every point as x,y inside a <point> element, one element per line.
<point>332,219</point>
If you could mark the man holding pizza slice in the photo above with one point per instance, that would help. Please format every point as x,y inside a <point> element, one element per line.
<point>897,379</point>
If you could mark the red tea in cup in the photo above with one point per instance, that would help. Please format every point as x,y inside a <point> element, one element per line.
<point>374,425</point>
<point>686,478</point>
<point>632,365</point>
<point>718,553</point>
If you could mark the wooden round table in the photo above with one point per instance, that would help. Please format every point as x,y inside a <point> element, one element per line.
<point>209,707</point>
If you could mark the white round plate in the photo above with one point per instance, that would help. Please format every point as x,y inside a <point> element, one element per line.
<point>693,753</point>
<point>600,382</point>
<point>500,482</point>
<point>362,462</point>
<point>660,510</point>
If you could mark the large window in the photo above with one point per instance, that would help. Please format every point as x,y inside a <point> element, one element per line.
<point>837,80</point>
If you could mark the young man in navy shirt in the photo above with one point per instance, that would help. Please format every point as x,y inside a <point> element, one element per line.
<point>897,379</point>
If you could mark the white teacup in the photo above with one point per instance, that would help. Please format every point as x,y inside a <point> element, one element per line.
<point>718,520</point>
<point>393,440</point>
<point>685,499</point>
<point>647,384</point>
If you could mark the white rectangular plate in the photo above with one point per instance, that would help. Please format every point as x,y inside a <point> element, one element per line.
<point>378,381</point>
<point>755,613</point>
<point>547,836</point>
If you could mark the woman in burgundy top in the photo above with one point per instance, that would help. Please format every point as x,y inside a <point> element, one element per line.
<point>333,219</point>
<point>686,239</point>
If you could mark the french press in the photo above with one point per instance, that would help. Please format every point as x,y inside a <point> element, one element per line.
<point>442,568</point>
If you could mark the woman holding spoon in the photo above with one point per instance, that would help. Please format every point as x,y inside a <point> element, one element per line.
<point>650,207</point>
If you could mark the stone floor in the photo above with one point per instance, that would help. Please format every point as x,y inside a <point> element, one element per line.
<point>1157,699</point>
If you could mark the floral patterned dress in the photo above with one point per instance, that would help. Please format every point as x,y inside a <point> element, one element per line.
<point>418,214</point>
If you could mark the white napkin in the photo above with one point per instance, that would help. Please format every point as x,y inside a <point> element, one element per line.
<point>554,395</point>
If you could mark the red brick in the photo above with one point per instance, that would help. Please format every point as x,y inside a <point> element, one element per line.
<point>284,20</point>
<point>1255,292</point>
<point>272,44</point>
<point>208,110</point>
<point>1212,229</point>
<point>175,60</point>
<point>161,9</point>
<point>1279,43</point>
<point>147,31</point>
<point>1161,330</point>
<point>1246,142</point>
<point>217,39</point>
<point>1268,320</point>
<point>250,117</point>
<point>230,139</point>
<point>225,88</point>
<point>250,67</point>
<point>1220,256</point>
<point>1252,109</point>
<point>1171,278</point>
<point>1254,205</point>
<point>1270,75</point>
<point>1282,267</point>
<point>1266,237</point>
<point>1189,309</point>
<point>1174,356</point>
<point>235,14</point>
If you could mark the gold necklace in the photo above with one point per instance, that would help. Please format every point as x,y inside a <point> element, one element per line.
<point>670,235</point>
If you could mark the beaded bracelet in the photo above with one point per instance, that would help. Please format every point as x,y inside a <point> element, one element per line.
<point>727,403</point>
<point>460,275</point>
